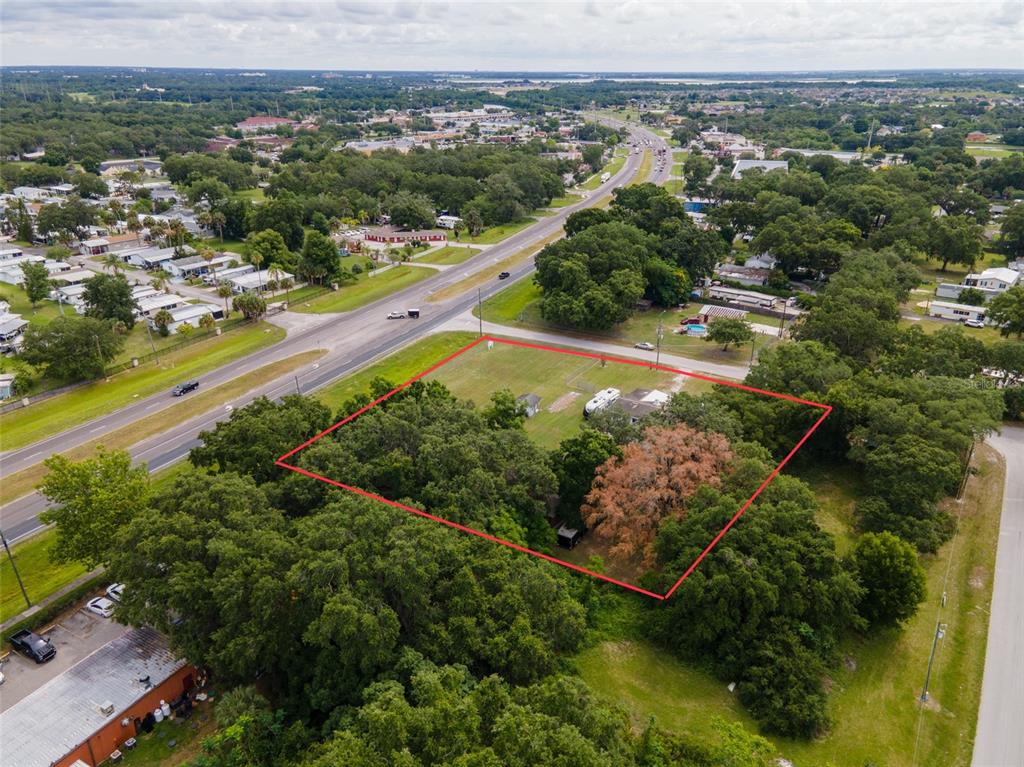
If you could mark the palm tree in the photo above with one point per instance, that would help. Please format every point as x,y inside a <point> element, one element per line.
<point>218,221</point>
<point>256,258</point>
<point>204,220</point>
<point>162,319</point>
<point>287,284</point>
<point>157,230</point>
<point>159,281</point>
<point>177,230</point>
<point>135,226</point>
<point>274,272</point>
<point>224,291</point>
<point>112,262</point>
<point>208,254</point>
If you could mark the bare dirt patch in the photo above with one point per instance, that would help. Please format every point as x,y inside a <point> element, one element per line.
<point>563,402</point>
<point>977,577</point>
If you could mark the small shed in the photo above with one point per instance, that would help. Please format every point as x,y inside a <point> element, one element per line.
<point>531,402</point>
<point>568,537</point>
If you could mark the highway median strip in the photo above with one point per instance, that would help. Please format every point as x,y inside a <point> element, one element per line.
<point>23,482</point>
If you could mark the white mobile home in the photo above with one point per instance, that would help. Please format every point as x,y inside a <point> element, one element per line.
<point>950,311</point>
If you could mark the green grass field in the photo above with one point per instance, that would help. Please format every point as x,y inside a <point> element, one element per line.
<point>565,201</point>
<point>644,170</point>
<point>876,684</point>
<point>40,575</point>
<point>448,255</point>
<point>562,381</point>
<point>397,368</point>
<point>497,233</point>
<point>26,425</point>
<point>992,150</point>
<point>519,306</point>
<point>368,287</point>
<point>42,314</point>
<point>253,195</point>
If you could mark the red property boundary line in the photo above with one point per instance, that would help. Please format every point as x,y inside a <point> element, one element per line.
<point>826,410</point>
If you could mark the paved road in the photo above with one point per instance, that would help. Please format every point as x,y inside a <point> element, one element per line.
<point>352,340</point>
<point>467,321</point>
<point>999,741</point>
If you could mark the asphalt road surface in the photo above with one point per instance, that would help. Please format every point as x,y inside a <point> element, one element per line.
<point>999,740</point>
<point>351,339</point>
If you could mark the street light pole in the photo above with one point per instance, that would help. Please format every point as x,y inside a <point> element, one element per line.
<point>15,568</point>
<point>480,310</point>
<point>661,334</point>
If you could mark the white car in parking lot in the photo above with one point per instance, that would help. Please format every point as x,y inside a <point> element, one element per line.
<point>101,606</point>
<point>115,591</point>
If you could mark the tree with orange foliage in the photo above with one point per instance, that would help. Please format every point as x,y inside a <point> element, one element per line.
<point>651,481</point>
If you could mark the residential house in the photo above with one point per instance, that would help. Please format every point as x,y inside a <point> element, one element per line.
<point>991,282</point>
<point>150,305</point>
<point>952,311</point>
<point>256,282</point>
<point>189,314</point>
<point>94,247</point>
<point>197,266</point>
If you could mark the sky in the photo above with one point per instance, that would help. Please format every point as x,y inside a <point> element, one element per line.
<point>502,35</point>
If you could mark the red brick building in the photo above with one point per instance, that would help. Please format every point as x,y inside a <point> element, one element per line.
<point>402,236</point>
<point>89,711</point>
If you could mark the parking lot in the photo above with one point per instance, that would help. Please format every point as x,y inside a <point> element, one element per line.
<point>76,634</point>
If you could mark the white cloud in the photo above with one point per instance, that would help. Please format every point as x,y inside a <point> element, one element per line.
<point>597,35</point>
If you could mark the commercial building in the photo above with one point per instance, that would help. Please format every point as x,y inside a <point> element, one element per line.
<point>742,166</point>
<point>401,236</point>
<point>87,713</point>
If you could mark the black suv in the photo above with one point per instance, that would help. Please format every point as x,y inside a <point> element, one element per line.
<point>33,646</point>
<point>185,388</point>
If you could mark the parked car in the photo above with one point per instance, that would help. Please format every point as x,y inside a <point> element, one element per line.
<point>396,315</point>
<point>33,646</point>
<point>974,323</point>
<point>115,591</point>
<point>101,606</point>
<point>504,276</point>
<point>185,388</point>
<point>647,346</point>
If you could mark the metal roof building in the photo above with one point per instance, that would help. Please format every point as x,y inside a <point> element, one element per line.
<point>92,708</point>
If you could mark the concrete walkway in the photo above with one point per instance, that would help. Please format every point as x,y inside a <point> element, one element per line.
<point>999,740</point>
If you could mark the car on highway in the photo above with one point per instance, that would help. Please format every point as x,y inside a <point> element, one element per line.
<point>101,606</point>
<point>396,315</point>
<point>184,388</point>
<point>504,276</point>
<point>115,591</point>
<point>647,346</point>
<point>414,314</point>
<point>974,323</point>
<point>33,646</point>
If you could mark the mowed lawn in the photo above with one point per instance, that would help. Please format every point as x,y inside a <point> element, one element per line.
<point>497,233</point>
<point>40,315</point>
<point>40,575</point>
<point>368,287</point>
<point>449,255</point>
<point>26,425</point>
<point>519,306</point>
<point>563,382</point>
<point>396,368</point>
<point>876,683</point>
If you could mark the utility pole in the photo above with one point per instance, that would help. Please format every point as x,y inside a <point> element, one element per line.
<point>297,389</point>
<point>661,334</point>
<point>782,322</point>
<point>15,568</point>
<point>940,631</point>
<point>152,345</point>
<point>480,310</point>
